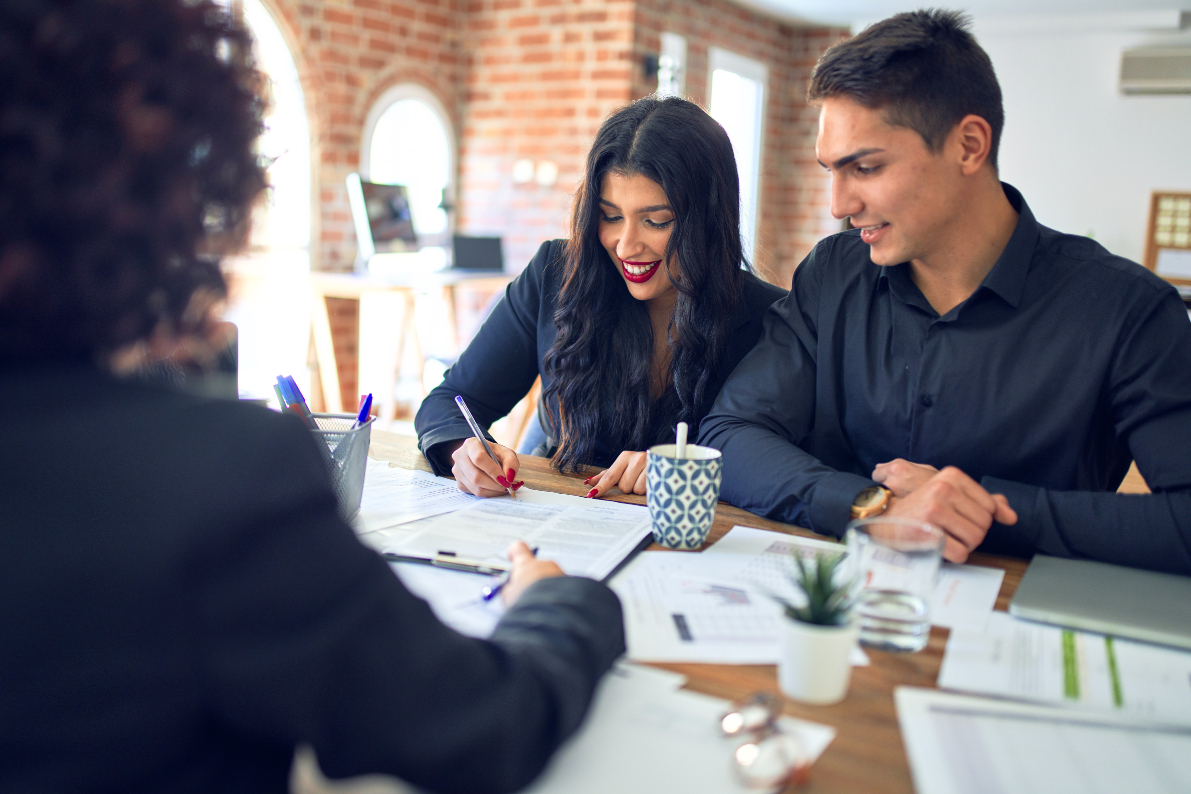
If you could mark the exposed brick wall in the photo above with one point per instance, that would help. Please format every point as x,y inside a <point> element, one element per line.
<point>792,204</point>
<point>534,79</point>
<point>348,52</point>
<point>541,76</point>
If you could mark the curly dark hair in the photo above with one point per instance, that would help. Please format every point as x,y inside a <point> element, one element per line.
<point>127,167</point>
<point>602,357</point>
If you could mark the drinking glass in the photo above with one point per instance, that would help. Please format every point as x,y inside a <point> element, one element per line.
<point>894,563</point>
<point>769,759</point>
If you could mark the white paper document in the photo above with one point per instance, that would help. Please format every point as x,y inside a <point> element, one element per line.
<point>585,537</point>
<point>687,607</point>
<point>1033,661</point>
<point>645,735</point>
<point>453,596</point>
<point>964,594</point>
<point>394,496</point>
<point>958,745</point>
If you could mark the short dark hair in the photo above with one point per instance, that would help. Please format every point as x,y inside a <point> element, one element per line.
<point>126,168</point>
<point>923,69</point>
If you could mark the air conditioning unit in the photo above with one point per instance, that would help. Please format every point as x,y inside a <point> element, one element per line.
<point>1156,70</point>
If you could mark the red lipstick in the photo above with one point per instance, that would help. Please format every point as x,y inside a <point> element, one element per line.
<point>639,277</point>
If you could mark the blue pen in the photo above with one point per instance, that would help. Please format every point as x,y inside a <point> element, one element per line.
<point>292,401</point>
<point>300,400</point>
<point>365,409</point>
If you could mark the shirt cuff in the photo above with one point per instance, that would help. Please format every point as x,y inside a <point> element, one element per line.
<point>1021,538</point>
<point>831,506</point>
<point>431,446</point>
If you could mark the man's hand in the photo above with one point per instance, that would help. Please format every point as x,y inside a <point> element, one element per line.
<point>954,502</point>
<point>476,473</point>
<point>902,476</point>
<point>527,569</point>
<point>627,473</point>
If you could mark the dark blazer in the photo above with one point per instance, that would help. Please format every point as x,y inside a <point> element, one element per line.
<point>499,366</point>
<point>180,605</point>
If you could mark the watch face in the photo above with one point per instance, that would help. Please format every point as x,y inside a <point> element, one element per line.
<point>869,497</point>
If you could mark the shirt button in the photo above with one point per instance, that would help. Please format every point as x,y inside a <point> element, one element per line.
<point>927,401</point>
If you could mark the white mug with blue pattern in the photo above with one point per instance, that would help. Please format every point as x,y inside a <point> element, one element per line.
<point>682,494</point>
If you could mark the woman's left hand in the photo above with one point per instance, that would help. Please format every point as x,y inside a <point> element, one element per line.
<point>627,473</point>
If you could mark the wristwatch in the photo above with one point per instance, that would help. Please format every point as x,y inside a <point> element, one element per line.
<point>871,501</point>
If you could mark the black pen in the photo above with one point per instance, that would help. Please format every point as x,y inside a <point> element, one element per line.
<point>452,562</point>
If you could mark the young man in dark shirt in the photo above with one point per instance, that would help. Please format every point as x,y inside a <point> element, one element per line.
<point>950,359</point>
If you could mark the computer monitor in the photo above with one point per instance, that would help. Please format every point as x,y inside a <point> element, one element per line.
<point>382,218</point>
<point>476,253</point>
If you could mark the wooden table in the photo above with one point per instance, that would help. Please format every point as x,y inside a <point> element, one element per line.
<point>867,754</point>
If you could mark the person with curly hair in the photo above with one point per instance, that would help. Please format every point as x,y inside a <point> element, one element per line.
<point>633,323</point>
<point>180,603</point>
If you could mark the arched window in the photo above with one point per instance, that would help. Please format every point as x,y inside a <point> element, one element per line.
<point>408,141</point>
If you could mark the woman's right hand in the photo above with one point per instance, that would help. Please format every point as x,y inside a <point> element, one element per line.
<point>476,473</point>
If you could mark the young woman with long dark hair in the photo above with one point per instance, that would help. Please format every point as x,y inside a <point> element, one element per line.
<point>633,324</point>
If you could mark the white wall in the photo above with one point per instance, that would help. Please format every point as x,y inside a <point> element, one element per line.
<point>1085,156</point>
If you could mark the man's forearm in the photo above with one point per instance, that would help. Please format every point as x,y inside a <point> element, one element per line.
<point>766,474</point>
<point>1150,531</point>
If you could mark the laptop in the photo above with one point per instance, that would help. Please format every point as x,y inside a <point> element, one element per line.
<point>1107,599</point>
<point>389,245</point>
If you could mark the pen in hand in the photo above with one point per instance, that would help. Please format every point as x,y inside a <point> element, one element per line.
<point>490,592</point>
<point>475,428</point>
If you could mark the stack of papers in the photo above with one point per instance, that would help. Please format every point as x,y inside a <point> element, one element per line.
<point>416,514</point>
<point>958,744</point>
<point>1034,661</point>
<point>717,606</point>
<point>1106,714</point>
<point>395,496</point>
<point>584,536</point>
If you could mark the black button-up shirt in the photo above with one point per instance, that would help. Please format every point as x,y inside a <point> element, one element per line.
<point>1062,367</point>
<point>500,365</point>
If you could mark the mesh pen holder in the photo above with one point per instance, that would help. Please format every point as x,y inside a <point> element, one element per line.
<point>346,458</point>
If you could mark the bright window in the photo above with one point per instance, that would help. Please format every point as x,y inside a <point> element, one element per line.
<point>738,103</point>
<point>284,220</point>
<point>407,141</point>
<point>269,287</point>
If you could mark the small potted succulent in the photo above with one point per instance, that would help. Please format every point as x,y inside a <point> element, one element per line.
<point>818,636</point>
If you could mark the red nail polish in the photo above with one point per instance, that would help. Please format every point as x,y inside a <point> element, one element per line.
<point>512,474</point>
<point>593,492</point>
<point>503,482</point>
<point>587,481</point>
<point>517,485</point>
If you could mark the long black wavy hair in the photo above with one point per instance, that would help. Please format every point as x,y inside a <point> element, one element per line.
<point>600,363</point>
<point>126,168</point>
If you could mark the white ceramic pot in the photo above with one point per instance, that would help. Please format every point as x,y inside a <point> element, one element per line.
<point>815,664</point>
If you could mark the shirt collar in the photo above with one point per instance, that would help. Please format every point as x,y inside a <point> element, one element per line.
<point>1008,275</point>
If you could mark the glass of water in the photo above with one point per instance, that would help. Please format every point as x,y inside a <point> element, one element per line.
<point>894,563</point>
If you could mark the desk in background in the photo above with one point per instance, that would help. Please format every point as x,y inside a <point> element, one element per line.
<point>343,303</point>
<point>867,754</point>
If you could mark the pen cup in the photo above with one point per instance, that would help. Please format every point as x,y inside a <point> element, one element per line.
<point>682,494</point>
<point>346,458</point>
